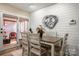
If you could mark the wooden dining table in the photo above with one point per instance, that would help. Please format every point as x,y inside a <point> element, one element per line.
<point>52,41</point>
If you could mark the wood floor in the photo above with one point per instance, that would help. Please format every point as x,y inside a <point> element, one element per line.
<point>12,52</point>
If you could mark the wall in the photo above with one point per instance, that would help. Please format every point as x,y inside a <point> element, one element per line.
<point>8,8</point>
<point>65,13</point>
<point>11,9</point>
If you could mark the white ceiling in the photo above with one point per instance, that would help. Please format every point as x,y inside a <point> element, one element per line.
<point>30,7</point>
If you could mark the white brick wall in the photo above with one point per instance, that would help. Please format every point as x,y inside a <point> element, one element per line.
<point>65,13</point>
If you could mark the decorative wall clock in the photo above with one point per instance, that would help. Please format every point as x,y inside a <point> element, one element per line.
<point>50,21</point>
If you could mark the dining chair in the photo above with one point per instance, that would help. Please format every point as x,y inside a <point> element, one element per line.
<point>25,44</point>
<point>60,50</point>
<point>46,46</point>
<point>35,45</point>
<point>65,45</point>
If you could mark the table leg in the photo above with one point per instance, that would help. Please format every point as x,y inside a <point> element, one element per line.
<point>52,50</point>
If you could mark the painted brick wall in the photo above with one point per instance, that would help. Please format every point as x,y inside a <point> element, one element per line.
<point>65,12</point>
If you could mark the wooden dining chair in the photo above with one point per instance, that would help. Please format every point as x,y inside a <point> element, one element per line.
<point>25,44</point>
<point>46,46</point>
<point>60,50</point>
<point>35,45</point>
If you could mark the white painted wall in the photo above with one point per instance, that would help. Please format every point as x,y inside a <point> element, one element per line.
<point>65,12</point>
<point>11,9</point>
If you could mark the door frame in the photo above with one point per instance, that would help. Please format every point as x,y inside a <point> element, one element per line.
<point>1,26</point>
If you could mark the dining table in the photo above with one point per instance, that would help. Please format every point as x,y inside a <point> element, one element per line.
<point>52,41</point>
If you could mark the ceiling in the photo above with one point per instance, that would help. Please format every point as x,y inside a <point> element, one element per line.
<point>30,7</point>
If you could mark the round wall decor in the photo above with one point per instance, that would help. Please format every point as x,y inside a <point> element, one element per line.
<point>50,21</point>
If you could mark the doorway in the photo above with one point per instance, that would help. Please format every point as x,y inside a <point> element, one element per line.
<point>23,25</point>
<point>9,30</point>
<point>11,27</point>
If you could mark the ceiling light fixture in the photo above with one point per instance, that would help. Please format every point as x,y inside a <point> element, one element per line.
<point>32,6</point>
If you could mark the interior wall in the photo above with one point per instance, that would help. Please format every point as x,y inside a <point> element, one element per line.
<point>65,12</point>
<point>11,9</point>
